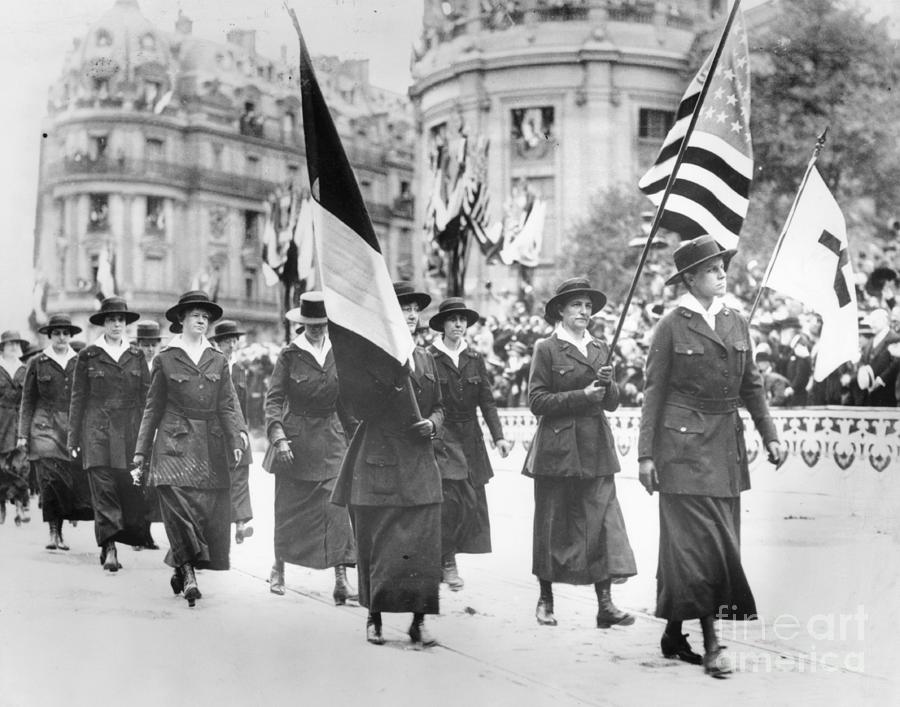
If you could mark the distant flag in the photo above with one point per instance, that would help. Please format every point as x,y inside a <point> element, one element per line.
<point>523,243</point>
<point>106,279</point>
<point>370,339</point>
<point>712,186</point>
<point>812,264</point>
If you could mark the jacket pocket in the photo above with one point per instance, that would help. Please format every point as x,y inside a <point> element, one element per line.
<point>558,437</point>
<point>683,434</point>
<point>383,470</point>
<point>175,436</point>
<point>742,348</point>
<point>689,349</point>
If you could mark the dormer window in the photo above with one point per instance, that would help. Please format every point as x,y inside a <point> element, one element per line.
<point>103,38</point>
<point>148,41</point>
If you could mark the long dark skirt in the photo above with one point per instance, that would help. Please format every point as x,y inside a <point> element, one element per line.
<point>465,524</point>
<point>151,503</point>
<point>699,571</point>
<point>309,529</point>
<point>399,564</point>
<point>119,508</point>
<point>14,469</point>
<point>197,523</point>
<point>241,509</point>
<point>579,532</point>
<point>65,490</point>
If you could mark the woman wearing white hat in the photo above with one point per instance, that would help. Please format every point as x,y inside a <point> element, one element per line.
<point>308,430</point>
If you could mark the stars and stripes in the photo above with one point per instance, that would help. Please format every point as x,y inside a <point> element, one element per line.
<point>712,186</point>
<point>369,336</point>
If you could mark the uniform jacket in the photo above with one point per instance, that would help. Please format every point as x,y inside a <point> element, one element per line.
<point>194,415</point>
<point>386,464</point>
<point>573,437</point>
<point>690,425</point>
<point>239,381</point>
<point>44,415</point>
<point>883,366</point>
<point>776,386</point>
<point>798,372</point>
<point>302,406</point>
<point>459,447</point>
<point>105,410</point>
<point>10,400</point>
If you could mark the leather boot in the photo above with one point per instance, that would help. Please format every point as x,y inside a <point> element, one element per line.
<point>60,543</point>
<point>608,614</point>
<point>51,543</point>
<point>418,634</point>
<point>191,590</point>
<point>373,629</point>
<point>176,581</point>
<point>544,611</point>
<point>276,581</point>
<point>110,558</point>
<point>450,575</point>
<point>342,591</point>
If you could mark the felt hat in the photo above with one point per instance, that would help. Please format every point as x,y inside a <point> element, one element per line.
<point>310,311</point>
<point>148,330</point>
<point>112,306</point>
<point>195,299</point>
<point>452,305</point>
<point>59,321</point>
<point>698,250</point>
<point>226,327</point>
<point>570,288</point>
<point>11,336</point>
<point>407,293</point>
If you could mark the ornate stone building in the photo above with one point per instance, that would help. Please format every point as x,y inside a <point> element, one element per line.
<point>160,153</point>
<point>573,95</point>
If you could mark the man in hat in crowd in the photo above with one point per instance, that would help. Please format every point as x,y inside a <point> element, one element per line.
<point>794,361</point>
<point>148,339</point>
<point>877,374</point>
<point>778,388</point>
<point>225,337</point>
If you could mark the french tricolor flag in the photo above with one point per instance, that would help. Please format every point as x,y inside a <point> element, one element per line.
<point>369,336</point>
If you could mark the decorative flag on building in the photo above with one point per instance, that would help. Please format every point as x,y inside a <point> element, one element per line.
<point>369,336</point>
<point>712,186</point>
<point>106,274</point>
<point>812,264</point>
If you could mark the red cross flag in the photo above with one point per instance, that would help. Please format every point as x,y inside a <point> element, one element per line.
<point>812,264</point>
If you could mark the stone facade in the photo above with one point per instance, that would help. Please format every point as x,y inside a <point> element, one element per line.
<point>162,148</point>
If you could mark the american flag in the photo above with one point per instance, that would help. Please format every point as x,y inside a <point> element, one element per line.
<point>711,189</point>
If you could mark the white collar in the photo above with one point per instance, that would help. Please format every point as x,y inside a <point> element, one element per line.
<point>12,371</point>
<point>563,335</point>
<point>454,355</point>
<point>195,353</point>
<point>61,360</point>
<point>304,344</point>
<point>688,301</point>
<point>115,352</point>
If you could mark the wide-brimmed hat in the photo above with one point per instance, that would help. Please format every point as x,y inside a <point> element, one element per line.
<point>407,293</point>
<point>195,299</point>
<point>310,311</point>
<point>59,321</point>
<point>226,327</point>
<point>10,336</point>
<point>111,306</point>
<point>148,330</point>
<point>452,305</point>
<point>32,351</point>
<point>698,250</point>
<point>570,288</point>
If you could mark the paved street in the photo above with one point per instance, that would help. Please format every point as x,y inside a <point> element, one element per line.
<point>825,574</point>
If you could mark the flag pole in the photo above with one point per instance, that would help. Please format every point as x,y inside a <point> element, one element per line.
<point>674,173</point>
<point>820,143</point>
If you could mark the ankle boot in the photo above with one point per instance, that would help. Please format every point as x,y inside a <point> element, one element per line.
<point>176,581</point>
<point>373,629</point>
<point>608,614</point>
<point>342,591</point>
<point>418,634</point>
<point>51,543</point>
<point>110,558</point>
<point>60,543</point>
<point>450,575</point>
<point>191,590</point>
<point>276,581</point>
<point>544,611</point>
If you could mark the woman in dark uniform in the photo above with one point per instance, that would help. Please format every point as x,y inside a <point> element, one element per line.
<point>307,429</point>
<point>461,455</point>
<point>14,466</point>
<point>193,426</point>
<point>109,388</point>
<point>579,532</point>
<point>392,483</point>
<point>43,425</point>
<point>691,448</point>
<point>226,336</point>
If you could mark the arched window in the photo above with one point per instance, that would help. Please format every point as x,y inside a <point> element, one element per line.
<point>148,41</point>
<point>103,38</point>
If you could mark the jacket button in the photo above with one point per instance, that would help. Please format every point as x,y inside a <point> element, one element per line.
<point>683,429</point>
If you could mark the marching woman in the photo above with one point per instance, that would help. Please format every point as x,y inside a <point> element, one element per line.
<point>392,484</point>
<point>43,425</point>
<point>579,533</point>
<point>226,336</point>
<point>459,448</point>
<point>109,388</point>
<point>193,427</point>
<point>14,466</point>
<point>691,448</point>
<point>307,429</point>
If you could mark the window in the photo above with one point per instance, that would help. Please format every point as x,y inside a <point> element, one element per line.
<point>155,221</point>
<point>96,146</point>
<point>148,42</point>
<point>292,171</point>
<point>251,221</point>
<point>655,124</point>
<point>532,132</point>
<point>249,284</point>
<point>251,122</point>
<point>217,148</point>
<point>98,217</point>
<point>152,93</point>
<point>252,165</point>
<point>101,87</point>
<point>103,38</point>
<point>154,149</point>
<point>365,186</point>
<point>288,126</point>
